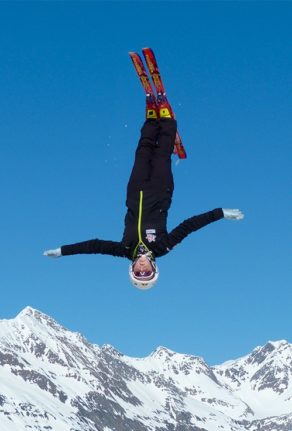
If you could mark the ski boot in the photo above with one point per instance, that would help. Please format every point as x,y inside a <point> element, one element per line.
<point>151,108</point>
<point>164,107</point>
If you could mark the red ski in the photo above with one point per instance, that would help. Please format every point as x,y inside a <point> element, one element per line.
<point>156,78</point>
<point>161,94</point>
<point>151,105</point>
<point>141,72</point>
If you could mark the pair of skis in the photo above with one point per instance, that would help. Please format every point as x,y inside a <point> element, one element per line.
<point>158,85</point>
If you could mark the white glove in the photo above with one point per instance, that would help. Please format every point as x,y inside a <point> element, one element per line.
<point>231,214</point>
<point>53,253</point>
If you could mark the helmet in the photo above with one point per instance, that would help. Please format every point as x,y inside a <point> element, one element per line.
<point>144,280</point>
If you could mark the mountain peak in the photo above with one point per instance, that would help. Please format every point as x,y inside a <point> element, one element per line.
<point>110,350</point>
<point>31,317</point>
<point>31,312</point>
<point>162,352</point>
<point>278,344</point>
<point>28,310</point>
<point>272,348</point>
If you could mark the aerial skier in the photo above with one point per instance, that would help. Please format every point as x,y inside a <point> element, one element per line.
<point>149,191</point>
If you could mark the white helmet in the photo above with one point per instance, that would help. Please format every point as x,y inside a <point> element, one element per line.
<point>144,280</point>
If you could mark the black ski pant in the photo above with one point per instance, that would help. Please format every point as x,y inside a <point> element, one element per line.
<point>152,166</point>
<point>152,174</point>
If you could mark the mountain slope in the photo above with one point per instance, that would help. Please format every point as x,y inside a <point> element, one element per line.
<point>53,379</point>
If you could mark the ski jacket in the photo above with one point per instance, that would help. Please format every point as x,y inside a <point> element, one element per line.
<point>145,224</point>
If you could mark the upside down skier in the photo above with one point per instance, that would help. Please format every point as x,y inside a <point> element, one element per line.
<point>149,195</point>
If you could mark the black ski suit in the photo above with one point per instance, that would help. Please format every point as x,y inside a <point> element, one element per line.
<point>149,195</point>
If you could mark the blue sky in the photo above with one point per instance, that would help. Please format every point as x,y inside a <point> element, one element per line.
<point>70,112</point>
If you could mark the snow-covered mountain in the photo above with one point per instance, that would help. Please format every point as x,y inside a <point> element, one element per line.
<point>53,379</point>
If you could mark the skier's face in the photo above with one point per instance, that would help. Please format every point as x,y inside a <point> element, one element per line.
<point>142,265</point>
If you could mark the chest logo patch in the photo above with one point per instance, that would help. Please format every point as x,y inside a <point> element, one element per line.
<point>151,235</point>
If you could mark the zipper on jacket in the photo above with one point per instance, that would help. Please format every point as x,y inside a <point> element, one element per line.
<point>140,242</point>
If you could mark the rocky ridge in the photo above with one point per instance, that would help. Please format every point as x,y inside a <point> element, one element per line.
<point>54,379</point>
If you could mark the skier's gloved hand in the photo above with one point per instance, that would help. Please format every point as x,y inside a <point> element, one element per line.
<point>232,214</point>
<point>53,253</point>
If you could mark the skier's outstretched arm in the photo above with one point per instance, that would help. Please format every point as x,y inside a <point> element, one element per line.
<point>93,246</point>
<point>199,221</point>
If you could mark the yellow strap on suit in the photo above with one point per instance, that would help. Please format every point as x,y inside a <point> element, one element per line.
<point>139,226</point>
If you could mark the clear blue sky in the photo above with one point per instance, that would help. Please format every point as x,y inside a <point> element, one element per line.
<point>70,112</point>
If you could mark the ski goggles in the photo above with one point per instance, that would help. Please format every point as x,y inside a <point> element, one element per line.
<point>144,276</point>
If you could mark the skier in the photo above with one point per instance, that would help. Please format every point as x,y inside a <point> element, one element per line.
<point>149,194</point>
<point>149,191</point>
